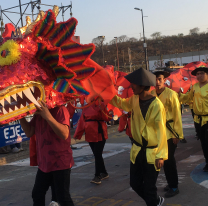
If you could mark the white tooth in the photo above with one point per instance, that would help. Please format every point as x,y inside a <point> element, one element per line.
<point>4,111</point>
<point>32,89</point>
<point>27,104</point>
<point>21,106</point>
<point>8,99</point>
<point>38,98</point>
<point>29,95</point>
<point>20,94</point>
<point>15,108</point>
<point>10,110</point>
<point>2,102</point>
<point>14,96</point>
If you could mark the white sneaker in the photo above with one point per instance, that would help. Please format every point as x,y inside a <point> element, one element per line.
<point>53,203</point>
<point>162,200</point>
<point>15,150</point>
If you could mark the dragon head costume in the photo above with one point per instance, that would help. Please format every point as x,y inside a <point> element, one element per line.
<point>46,64</point>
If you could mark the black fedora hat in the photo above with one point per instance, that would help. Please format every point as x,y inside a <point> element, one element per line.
<point>201,68</point>
<point>141,77</point>
<point>161,72</point>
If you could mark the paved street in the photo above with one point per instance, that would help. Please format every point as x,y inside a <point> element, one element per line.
<point>17,178</point>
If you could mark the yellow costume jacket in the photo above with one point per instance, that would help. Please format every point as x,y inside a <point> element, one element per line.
<point>170,100</point>
<point>199,96</point>
<point>152,129</point>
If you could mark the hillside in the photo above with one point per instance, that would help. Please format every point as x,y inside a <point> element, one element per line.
<point>155,47</point>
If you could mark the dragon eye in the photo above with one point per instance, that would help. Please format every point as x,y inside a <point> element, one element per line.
<point>4,53</point>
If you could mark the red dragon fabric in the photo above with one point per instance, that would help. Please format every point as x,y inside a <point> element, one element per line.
<point>181,80</point>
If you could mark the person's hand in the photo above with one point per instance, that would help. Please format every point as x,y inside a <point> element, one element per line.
<point>43,110</point>
<point>159,163</point>
<point>175,140</point>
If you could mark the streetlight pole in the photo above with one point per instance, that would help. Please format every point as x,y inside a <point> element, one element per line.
<point>145,45</point>
<point>102,39</point>
<point>117,52</point>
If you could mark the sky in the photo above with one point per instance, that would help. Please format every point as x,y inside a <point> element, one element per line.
<point>111,18</point>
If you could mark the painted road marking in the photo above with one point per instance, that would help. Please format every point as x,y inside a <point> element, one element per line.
<point>192,158</point>
<point>94,201</point>
<point>199,176</point>
<point>188,126</point>
<point>84,156</point>
<point>161,180</point>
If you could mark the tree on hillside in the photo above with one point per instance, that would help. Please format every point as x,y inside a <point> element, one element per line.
<point>122,38</point>
<point>156,35</point>
<point>180,35</point>
<point>133,39</point>
<point>98,41</point>
<point>194,31</point>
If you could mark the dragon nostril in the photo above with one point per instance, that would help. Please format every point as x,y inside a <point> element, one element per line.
<point>4,53</point>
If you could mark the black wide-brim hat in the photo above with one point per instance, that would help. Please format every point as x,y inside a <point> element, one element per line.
<point>161,72</point>
<point>201,68</point>
<point>141,77</point>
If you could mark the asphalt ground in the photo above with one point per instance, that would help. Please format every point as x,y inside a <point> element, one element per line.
<point>17,179</point>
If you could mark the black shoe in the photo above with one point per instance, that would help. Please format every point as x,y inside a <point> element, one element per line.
<point>205,169</point>
<point>96,180</point>
<point>166,188</point>
<point>183,140</point>
<point>104,176</point>
<point>161,201</point>
<point>171,192</point>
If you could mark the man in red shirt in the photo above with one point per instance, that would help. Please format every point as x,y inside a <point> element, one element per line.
<point>54,154</point>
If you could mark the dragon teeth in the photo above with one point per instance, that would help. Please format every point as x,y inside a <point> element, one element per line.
<point>8,99</point>
<point>10,110</point>
<point>21,106</point>
<point>2,102</point>
<point>14,96</point>
<point>20,94</point>
<point>4,111</point>
<point>32,89</point>
<point>29,95</point>
<point>27,104</point>
<point>15,108</point>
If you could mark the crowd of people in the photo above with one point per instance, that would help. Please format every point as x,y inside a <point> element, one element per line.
<point>155,128</point>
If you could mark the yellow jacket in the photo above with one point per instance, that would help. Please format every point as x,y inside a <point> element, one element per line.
<point>199,96</point>
<point>169,98</point>
<point>152,128</point>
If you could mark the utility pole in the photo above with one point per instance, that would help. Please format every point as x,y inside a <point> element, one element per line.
<point>117,52</point>
<point>145,44</point>
<point>130,60</point>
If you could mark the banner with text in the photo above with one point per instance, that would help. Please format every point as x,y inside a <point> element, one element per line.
<point>12,134</point>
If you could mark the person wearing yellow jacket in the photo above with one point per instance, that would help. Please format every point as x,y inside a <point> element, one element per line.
<point>174,129</point>
<point>199,96</point>
<point>149,149</point>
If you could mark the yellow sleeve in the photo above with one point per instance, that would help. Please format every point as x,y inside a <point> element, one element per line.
<point>125,104</point>
<point>186,98</point>
<point>160,120</point>
<point>177,119</point>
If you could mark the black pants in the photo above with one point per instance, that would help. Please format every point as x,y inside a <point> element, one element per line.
<point>170,168</point>
<point>143,178</point>
<point>97,149</point>
<point>203,136</point>
<point>59,180</point>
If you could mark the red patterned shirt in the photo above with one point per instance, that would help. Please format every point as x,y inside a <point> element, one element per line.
<point>53,153</point>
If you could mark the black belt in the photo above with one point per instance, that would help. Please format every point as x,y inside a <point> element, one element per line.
<point>100,129</point>
<point>171,129</point>
<point>139,145</point>
<point>200,117</point>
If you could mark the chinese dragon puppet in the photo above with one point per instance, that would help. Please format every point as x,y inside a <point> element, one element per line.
<point>41,62</point>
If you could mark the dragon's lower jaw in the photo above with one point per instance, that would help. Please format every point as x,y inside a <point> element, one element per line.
<point>17,100</point>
